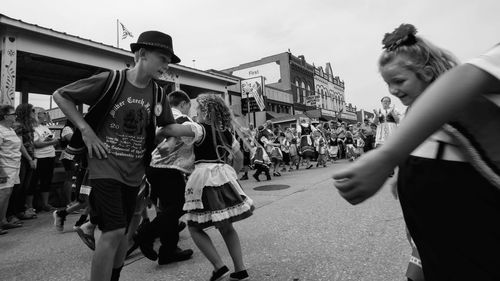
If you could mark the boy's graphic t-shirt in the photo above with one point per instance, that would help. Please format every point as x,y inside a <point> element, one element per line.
<point>123,129</point>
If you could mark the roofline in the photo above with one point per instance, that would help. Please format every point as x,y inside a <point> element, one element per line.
<point>218,72</point>
<point>204,73</point>
<point>61,35</point>
<point>78,40</point>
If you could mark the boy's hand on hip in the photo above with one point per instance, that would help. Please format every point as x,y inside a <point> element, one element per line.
<point>94,144</point>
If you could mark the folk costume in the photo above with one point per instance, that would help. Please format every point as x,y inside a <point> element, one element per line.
<point>387,124</point>
<point>306,141</point>
<point>213,194</point>
<point>449,189</point>
<point>260,158</point>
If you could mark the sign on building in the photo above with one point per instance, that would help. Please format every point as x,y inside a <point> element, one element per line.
<point>253,89</point>
<point>270,72</point>
<point>312,100</point>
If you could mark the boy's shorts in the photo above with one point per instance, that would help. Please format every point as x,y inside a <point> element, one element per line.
<point>112,204</point>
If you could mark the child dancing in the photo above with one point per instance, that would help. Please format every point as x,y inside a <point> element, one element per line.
<point>449,185</point>
<point>213,195</point>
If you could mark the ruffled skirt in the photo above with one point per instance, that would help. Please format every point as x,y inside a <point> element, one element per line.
<point>384,130</point>
<point>214,196</point>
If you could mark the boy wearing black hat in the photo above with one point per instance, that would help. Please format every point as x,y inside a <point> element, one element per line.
<point>119,145</point>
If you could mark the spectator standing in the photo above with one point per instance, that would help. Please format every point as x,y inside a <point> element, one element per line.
<point>45,155</point>
<point>387,119</point>
<point>25,120</point>
<point>10,162</point>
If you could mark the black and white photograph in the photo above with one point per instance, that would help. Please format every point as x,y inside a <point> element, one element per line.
<point>265,140</point>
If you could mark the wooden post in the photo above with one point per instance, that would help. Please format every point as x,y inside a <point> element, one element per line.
<point>8,70</point>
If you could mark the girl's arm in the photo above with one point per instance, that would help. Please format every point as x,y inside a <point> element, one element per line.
<point>396,115</point>
<point>436,106</point>
<point>375,119</point>
<point>26,155</point>
<point>40,143</point>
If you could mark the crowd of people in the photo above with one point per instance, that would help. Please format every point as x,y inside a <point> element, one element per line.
<point>27,153</point>
<point>274,149</point>
<point>134,136</point>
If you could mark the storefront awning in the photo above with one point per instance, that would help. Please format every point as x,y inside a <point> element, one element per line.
<point>326,118</point>
<point>285,118</point>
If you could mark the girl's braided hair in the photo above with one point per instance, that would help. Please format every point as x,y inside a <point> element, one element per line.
<point>420,53</point>
<point>218,115</point>
<point>215,110</point>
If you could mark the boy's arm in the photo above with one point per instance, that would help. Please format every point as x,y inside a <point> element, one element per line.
<point>86,91</point>
<point>92,142</point>
<point>175,130</point>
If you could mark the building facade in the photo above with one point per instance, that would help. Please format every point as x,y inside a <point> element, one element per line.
<point>294,87</point>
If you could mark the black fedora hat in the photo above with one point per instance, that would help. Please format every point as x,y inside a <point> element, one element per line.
<point>155,40</point>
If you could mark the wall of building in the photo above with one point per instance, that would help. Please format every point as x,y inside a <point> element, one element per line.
<point>302,78</point>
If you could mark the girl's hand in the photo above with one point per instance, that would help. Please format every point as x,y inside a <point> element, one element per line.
<point>392,110</point>
<point>363,178</point>
<point>166,146</point>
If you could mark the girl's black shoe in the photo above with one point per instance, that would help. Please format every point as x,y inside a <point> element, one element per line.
<point>219,274</point>
<point>238,276</point>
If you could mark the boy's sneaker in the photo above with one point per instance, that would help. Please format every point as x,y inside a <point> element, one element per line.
<point>219,274</point>
<point>240,275</point>
<point>176,256</point>
<point>88,239</point>
<point>58,221</point>
<point>80,222</point>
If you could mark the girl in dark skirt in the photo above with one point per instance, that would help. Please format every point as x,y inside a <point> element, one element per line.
<point>306,142</point>
<point>449,185</point>
<point>213,195</point>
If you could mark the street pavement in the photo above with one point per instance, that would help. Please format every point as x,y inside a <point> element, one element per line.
<point>304,232</point>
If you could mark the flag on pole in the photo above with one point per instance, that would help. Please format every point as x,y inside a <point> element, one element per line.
<point>254,88</point>
<point>126,33</point>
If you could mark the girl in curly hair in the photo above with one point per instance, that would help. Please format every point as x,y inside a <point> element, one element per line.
<point>448,184</point>
<point>213,195</point>
<point>24,127</point>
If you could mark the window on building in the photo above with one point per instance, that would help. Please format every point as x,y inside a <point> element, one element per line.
<point>297,89</point>
<point>304,94</point>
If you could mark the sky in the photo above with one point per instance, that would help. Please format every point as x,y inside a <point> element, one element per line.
<point>210,34</point>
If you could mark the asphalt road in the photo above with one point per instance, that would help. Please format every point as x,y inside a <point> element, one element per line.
<point>303,232</point>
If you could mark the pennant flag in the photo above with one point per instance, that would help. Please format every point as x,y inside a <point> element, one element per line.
<point>126,33</point>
